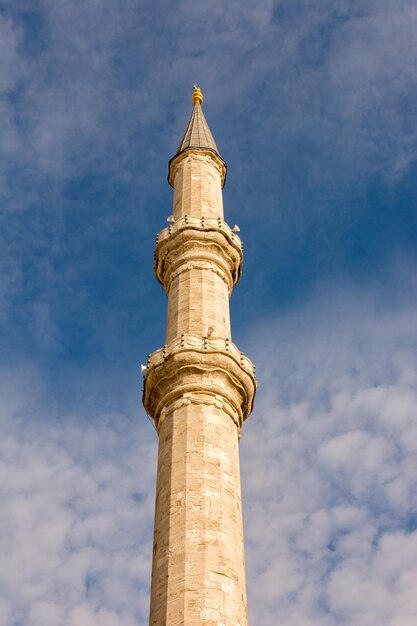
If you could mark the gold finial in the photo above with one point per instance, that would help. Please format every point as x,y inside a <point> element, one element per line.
<point>197,97</point>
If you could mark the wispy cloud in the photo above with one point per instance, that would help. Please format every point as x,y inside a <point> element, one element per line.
<point>329,481</point>
<point>310,103</point>
<point>79,497</point>
<point>329,469</point>
<point>313,105</point>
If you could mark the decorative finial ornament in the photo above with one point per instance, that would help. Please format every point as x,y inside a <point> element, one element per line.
<point>197,97</point>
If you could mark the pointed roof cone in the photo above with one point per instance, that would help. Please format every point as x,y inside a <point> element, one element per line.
<point>197,135</point>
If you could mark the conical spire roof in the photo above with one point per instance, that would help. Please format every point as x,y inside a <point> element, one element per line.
<point>197,135</point>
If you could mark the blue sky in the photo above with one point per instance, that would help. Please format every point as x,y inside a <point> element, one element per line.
<point>313,107</point>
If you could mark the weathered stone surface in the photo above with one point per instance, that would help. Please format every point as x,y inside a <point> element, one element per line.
<point>197,365</point>
<point>199,388</point>
<point>198,573</point>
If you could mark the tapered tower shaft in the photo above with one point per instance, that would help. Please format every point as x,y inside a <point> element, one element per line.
<point>198,389</point>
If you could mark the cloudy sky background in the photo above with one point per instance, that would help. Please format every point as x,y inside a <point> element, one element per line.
<point>313,106</point>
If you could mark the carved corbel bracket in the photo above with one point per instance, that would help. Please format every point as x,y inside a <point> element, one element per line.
<point>198,240</point>
<point>191,366</point>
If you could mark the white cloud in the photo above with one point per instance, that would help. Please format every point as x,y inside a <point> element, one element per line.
<point>329,455</point>
<point>321,69</point>
<point>76,539</point>
<point>329,477</point>
<point>329,466</point>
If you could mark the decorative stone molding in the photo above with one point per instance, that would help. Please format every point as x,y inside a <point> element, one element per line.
<point>201,344</point>
<point>201,265</point>
<point>199,365</point>
<point>198,240</point>
<point>197,154</point>
<point>200,223</point>
<point>196,398</point>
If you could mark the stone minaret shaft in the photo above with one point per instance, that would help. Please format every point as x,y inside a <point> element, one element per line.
<point>198,388</point>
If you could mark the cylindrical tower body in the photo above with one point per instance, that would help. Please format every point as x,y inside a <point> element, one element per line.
<point>198,388</point>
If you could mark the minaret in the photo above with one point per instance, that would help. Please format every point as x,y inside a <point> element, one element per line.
<point>198,388</point>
